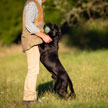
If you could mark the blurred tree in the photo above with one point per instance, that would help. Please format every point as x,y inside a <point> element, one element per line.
<point>71,15</point>
<point>84,9</point>
<point>10,20</point>
<point>85,24</point>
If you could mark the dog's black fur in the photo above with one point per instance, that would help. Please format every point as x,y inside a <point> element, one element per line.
<point>49,58</point>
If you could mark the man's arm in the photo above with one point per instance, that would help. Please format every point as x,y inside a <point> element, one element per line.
<point>46,38</point>
<point>31,12</point>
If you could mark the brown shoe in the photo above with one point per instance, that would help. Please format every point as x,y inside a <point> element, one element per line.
<point>29,103</point>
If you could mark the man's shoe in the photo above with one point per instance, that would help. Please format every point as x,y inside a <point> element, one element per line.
<point>28,103</point>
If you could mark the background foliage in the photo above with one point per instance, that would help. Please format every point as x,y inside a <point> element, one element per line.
<point>84,22</point>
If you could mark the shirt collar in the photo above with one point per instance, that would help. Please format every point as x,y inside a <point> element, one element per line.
<point>40,1</point>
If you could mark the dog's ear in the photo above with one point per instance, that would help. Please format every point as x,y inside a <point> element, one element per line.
<point>54,32</point>
<point>58,31</point>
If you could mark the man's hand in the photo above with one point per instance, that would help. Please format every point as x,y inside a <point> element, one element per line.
<point>46,38</point>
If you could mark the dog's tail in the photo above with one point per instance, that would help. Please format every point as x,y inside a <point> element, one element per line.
<point>71,88</point>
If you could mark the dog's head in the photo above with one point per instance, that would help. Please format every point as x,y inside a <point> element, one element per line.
<point>55,31</point>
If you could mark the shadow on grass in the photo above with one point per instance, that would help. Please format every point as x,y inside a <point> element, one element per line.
<point>42,88</point>
<point>86,36</point>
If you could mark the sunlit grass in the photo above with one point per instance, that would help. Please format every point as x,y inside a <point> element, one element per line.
<point>87,69</point>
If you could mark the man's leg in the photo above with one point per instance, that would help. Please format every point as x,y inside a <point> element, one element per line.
<point>33,59</point>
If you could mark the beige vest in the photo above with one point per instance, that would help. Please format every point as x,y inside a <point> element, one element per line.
<point>28,40</point>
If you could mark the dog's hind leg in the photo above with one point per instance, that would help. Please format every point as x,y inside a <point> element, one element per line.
<point>61,87</point>
<point>73,95</point>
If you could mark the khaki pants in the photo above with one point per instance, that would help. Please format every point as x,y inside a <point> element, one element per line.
<point>33,59</point>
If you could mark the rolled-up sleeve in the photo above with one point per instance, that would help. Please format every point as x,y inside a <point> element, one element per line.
<point>31,12</point>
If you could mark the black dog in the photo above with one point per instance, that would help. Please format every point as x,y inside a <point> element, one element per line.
<point>49,58</point>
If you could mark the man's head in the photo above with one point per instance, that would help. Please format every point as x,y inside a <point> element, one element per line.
<point>43,0</point>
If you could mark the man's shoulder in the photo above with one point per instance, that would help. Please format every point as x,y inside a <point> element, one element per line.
<point>30,3</point>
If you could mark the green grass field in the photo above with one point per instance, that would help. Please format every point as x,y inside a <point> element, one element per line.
<point>87,69</point>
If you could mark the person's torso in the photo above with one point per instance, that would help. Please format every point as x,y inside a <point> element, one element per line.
<point>29,40</point>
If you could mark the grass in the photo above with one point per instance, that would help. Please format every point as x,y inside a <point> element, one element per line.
<point>87,69</point>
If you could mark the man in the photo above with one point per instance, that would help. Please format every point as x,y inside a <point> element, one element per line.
<point>32,35</point>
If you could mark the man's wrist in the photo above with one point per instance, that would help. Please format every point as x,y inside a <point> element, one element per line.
<point>40,34</point>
